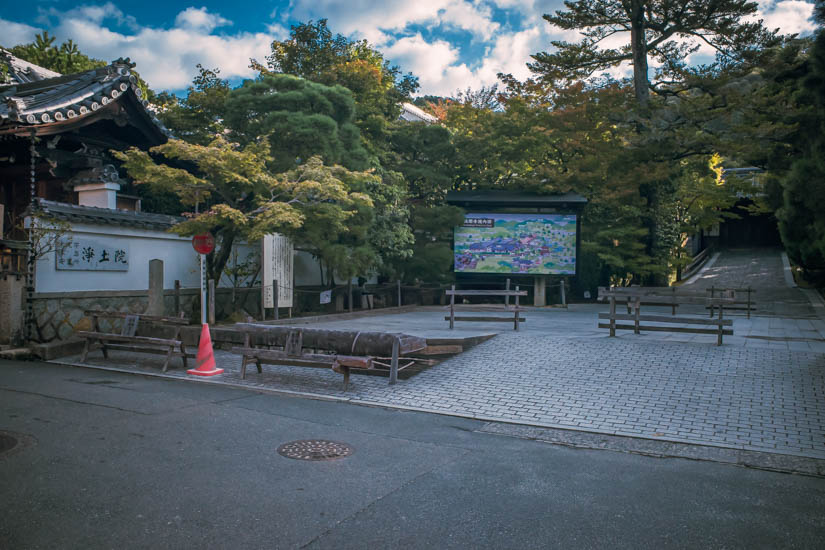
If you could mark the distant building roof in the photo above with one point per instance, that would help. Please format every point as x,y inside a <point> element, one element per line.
<point>104,216</point>
<point>41,102</point>
<point>411,113</point>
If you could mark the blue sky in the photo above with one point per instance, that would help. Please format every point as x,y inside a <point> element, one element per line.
<point>448,44</point>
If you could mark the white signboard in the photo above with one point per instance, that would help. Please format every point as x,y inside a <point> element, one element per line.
<point>326,296</point>
<point>277,265</point>
<point>89,255</point>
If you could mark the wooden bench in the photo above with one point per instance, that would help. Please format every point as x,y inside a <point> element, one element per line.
<point>738,302</point>
<point>637,296</point>
<point>129,340</point>
<point>515,319</point>
<point>340,351</point>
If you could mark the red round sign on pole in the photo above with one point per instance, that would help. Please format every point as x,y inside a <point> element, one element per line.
<point>203,243</point>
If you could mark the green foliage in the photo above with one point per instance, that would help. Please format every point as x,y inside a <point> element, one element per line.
<point>801,220</point>
<point>301,119</point>
<point>197,118</point>
<point>314,53</point>
<point>663,30</point>
<point>64,59</point>
<point>424,154</point>
<point>431,260</point>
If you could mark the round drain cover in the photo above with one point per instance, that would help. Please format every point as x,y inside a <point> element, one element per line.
<point>314,449</point>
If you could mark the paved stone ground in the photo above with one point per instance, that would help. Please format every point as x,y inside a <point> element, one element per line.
<point>762,270</point>
<point>764,390</point>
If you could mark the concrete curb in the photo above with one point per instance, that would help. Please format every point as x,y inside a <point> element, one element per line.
<point>696,276</point>
<point>786,271</point>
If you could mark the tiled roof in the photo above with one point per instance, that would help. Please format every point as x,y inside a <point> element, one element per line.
<point>20,71</point>
<point>44,105</point>
<point>104,216</point>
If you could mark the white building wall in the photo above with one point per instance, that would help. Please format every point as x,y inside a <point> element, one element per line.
<point>180,261</point>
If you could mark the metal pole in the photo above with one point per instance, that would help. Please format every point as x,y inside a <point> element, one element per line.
<point>203,288</point>
<point>399,292</point>
<point>275,292</point>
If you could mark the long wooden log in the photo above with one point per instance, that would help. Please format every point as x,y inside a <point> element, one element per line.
<point>338,341</point>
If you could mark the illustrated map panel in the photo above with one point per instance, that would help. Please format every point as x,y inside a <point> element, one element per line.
<point>541,244</point>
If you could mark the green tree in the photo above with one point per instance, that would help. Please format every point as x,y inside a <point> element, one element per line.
<point>801,220</point>
<point>664,30</point>
<point>197,117</point>
<point>301,119</point>
<point>314,53</point>
<point>320,206</point>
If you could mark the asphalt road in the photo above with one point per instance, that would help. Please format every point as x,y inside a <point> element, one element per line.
<point>124,461</point>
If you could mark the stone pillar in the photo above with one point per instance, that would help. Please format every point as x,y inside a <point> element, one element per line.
<point>12,293</point>
<point>155,288</point>
<point>539,291</point>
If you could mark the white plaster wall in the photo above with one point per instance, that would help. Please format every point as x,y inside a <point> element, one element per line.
<point>180,261</point>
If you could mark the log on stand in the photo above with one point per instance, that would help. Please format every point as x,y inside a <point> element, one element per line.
<point>345,349</point>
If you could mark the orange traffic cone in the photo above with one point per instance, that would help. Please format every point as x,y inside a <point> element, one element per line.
<point>205,360</point>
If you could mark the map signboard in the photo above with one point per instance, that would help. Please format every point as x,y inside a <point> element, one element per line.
<point>540,244</point>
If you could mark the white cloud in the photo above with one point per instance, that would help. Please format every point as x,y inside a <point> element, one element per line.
<point>789,16</point>
<point>16,33</point>
<point>200,19</point>
<point>166,57</point>
<point>375,21</point>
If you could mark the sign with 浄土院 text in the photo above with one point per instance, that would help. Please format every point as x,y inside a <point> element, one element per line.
<point>277,264</point>
<point>90,255</point>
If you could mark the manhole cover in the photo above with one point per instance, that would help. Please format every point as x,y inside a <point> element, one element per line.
<point>314,449</point>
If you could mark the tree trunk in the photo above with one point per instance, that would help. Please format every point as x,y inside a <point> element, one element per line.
<point>216,261</point>
<point>638,46</point>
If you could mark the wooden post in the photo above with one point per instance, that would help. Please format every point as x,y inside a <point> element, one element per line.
<point>636,319</point>
<point>507,298</point>
<point>394,363</point>
<point>711,300</point>
<point>349,293</point>
<point>275,297</point>
<point>719,337</point>
<point>749,302</point>
<point>673,301</point>
<point>612,315</point>
<point>452,308</point>
<point>177,297</point>
<point>515,327</point>
<point>263,301</point>
<point>211,301</point>
<point>399,292</point>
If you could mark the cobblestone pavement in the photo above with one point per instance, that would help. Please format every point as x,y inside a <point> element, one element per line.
<point>763,399</point>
